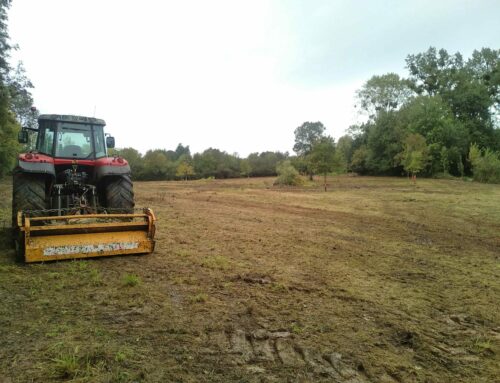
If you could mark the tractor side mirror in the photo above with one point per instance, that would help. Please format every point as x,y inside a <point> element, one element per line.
<point>110,142</point>
<point>22,137</point>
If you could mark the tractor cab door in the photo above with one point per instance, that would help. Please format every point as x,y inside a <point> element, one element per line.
<point>45,140</point>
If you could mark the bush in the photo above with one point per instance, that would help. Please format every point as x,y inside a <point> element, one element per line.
<point>485,164</point>
<point>287,175</point>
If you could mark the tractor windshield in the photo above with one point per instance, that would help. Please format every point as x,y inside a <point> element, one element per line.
<point>72,140</point>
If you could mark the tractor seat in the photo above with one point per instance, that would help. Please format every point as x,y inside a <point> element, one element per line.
<point>71,151</point>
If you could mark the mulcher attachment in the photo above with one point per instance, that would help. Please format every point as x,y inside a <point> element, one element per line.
<point>50,238</point>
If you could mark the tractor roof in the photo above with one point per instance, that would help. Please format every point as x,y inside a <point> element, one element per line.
<point>70,118</point>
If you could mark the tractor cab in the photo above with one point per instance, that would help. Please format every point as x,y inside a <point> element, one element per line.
<point>70,137</point>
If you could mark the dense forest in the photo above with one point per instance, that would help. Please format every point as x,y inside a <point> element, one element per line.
<point>442,119</point>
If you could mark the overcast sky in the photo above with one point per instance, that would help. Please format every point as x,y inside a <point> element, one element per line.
<point>236,75</point>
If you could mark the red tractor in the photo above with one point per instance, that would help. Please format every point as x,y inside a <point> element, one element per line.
<point>70,175</point>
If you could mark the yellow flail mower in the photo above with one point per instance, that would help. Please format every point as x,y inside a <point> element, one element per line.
<point>71,200</point>
<point>48,238</point>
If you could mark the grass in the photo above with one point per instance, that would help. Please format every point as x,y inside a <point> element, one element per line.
<point>66,366</point>
<point>216,262</point>
<point>399,282</point>
<point>199,298</point>
<point>95,277</point>
<point>131,280</point>
<point>482,345</point>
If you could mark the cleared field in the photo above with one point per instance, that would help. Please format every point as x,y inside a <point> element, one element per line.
<point>376,280</point>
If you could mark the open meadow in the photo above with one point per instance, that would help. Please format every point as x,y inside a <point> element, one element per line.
<point>376,280</point>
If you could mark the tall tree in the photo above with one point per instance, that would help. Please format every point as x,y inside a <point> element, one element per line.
<point>484,65</point>
<point>245,168</point>
<point>20,97</point>
<point>344,151</point>
<point>8,125</point>
<point>182,151</point>
<point>306,136</point>
<point>156,165</point>
<point>5,45</point>
<point>470,89</point>
<point>185,170</point>
<point>433,71</point>
<point>383,93</point>
<point>415,156</point>
<point>8,134</point>
<point>383,141</point>
<point>322,157</point>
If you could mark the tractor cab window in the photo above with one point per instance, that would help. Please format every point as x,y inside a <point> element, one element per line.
<point>46,140</point>
<point>74,141</point>
<point>100,148</point>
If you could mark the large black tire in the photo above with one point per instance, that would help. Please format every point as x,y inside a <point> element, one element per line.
<point>28,193</point>
<point>119,194</point>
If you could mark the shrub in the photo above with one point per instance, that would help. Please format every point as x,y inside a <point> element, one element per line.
<point>485,164</point>
<point>287,174</point>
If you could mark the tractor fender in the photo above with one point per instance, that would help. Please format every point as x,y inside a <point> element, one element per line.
<point>36,163</point>
<point>111,166</point>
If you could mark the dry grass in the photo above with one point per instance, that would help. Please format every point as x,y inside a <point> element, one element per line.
<point>376,280</point>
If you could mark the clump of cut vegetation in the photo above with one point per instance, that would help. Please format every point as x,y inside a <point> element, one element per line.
<point>288,175</point>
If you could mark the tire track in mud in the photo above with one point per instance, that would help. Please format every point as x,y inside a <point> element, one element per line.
<point>260,348</point>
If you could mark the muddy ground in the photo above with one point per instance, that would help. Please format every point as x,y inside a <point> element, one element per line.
<point>376,280</point>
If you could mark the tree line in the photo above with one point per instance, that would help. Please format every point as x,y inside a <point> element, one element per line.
<point>162,164</point>
<point>443,119</point>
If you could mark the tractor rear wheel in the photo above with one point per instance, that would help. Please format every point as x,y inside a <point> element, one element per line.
<point>28,193</point>
<point>119,194</point>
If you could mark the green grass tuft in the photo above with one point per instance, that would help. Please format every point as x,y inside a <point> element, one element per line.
<point>66,366</point>
<point>216,262</point>
<point>199,298</point>
<point>131,280</point>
